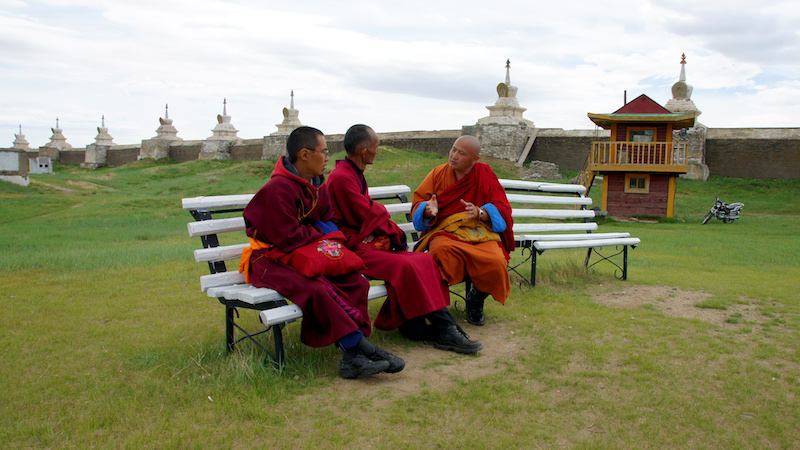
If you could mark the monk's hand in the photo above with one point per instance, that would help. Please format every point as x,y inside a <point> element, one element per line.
<point>431,207</point>
<point>368,239</point>
<point>473,212</point>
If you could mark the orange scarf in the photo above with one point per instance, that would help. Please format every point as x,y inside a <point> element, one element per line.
<point>244,263</point>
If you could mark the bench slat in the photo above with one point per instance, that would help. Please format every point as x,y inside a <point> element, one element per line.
<point>220,279</point>
<point>398,208</point>
<point>542,186</point>
<point>570,237</point>
<point>222,253</point>
<point>216,202</point>
<point>386,191</point>
<point>550,227</point>
<point>550,245</point>
<point>214,226</point>
<point>281,314</point>
<point>553,213</point>
<point>548,200</point>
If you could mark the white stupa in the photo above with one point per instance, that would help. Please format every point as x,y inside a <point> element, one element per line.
<point>224,130</point>
<point>290,119</point>
<point>681,101</point>
<point>20,143</point>
<point>103,138</point>
<point>57,140</point>
<point>166,131</point>
<point>506,110</point>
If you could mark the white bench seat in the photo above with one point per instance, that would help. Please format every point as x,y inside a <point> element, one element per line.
<point>585,243</point>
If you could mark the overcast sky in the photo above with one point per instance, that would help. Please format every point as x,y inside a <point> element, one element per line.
<point>395,65</point>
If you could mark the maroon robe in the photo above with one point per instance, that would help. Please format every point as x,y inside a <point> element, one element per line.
<point>414,285</point>
<point>283,213</point>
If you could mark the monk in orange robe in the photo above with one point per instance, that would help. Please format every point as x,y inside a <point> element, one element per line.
<point>465,219</point>
<point>416,293</point>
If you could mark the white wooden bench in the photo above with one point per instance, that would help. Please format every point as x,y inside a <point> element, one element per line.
<point>218,219</point>
<point>565,202</point>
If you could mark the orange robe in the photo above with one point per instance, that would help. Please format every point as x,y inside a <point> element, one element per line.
<point>486,263</point>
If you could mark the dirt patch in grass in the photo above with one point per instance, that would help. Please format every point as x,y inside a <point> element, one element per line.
<point>676,302</point>
<point>430,369</point>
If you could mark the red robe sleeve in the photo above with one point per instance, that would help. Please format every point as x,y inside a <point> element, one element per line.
<point>356,213</point>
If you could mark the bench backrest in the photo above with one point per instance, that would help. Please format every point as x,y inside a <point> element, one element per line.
<point>559,202</point>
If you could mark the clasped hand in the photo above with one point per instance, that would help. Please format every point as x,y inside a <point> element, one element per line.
<point>432,208</point>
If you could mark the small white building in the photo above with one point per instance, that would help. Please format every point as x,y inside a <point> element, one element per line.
<point>14,166</point>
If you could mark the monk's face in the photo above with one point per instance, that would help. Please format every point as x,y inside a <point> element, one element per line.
<point>371,151</point>
<point>318,159</point>
<point>463,156</point>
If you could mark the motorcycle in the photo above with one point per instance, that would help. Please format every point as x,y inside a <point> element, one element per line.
<point>724,211</point>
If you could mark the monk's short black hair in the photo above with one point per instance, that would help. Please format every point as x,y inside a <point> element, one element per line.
<point>300,138</point>
<point>356,136</point>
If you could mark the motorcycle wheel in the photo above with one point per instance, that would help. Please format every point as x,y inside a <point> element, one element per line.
<point>729,220</point>
<point>708,217</point>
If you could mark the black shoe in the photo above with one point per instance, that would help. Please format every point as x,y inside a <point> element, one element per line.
<point>353,366</point>
<point>396,364</point>
<point>454,339</point>
<point>474,306</point>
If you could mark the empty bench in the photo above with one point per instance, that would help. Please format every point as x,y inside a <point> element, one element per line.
<point>220,226</point>
<point>564,221</point>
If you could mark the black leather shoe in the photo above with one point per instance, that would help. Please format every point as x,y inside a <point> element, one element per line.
<point>454,339</point>
<point>353,366</point>
<point>396,364</point>
<point>474,306</point>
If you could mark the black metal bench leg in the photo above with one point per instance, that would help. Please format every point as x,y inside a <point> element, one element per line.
<point>277,335</point>
<point>229,311</point>
<point>625,262</point>
<point>533,267</point>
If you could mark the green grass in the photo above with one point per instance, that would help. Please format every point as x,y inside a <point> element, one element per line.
<point>108,342</point>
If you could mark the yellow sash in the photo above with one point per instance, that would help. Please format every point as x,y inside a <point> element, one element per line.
<point>464,229</point>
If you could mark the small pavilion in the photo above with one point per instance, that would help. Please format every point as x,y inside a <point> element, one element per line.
<point>641,162</point>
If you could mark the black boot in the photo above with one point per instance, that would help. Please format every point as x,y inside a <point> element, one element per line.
<point>449,336</point>
<point>454,339</point>
<point>474,303</point>
<point>378,354</point>
<point>354,364</point>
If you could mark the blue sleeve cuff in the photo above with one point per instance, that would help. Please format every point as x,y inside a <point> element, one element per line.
<point>498,223</point>
<point>419,220</point>
<point>326,227</point>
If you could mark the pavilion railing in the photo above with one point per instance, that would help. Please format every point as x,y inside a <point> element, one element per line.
<point>631,153</point>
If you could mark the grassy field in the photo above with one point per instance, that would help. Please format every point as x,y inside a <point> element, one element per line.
<point>107,341</point>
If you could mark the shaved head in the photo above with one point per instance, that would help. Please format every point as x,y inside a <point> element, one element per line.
<point>470,143</point>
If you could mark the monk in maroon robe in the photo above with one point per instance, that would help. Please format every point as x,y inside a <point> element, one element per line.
<point>288,212</point>
<point>466,225</point>
<point>416,292</point>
